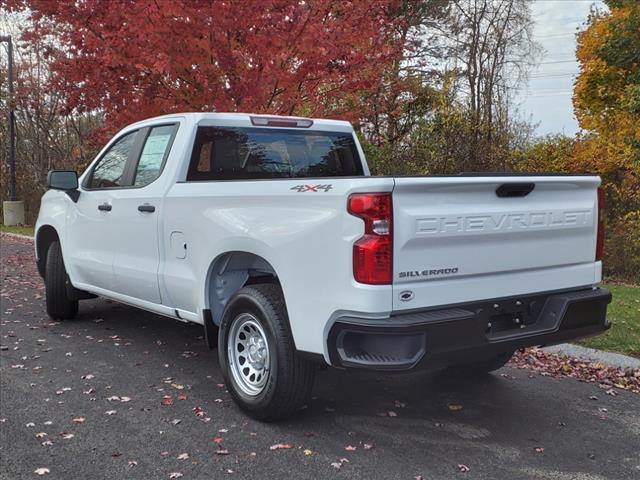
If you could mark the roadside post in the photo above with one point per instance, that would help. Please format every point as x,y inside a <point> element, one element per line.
<point>13,209</point>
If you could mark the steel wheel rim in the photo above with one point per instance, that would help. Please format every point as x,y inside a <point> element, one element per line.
<point>248,354</point>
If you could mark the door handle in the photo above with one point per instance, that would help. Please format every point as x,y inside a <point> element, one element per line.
<point>104,207</point>
<point>145,207</point>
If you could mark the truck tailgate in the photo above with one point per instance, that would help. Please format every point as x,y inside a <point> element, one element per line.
<point>460,239</point>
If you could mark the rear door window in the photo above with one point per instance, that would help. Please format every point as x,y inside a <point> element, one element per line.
<point>153,155</point>
<point>252,153</point>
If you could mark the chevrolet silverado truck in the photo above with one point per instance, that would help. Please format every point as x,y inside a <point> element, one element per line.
<point>271,233</point>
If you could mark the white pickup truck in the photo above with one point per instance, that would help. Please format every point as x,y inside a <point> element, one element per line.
<point>271,233</point>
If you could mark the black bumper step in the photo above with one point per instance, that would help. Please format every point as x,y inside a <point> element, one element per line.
<point>437,338</point>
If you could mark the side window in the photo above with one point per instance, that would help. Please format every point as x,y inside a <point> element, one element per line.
<point>156,148</point>
<point>109,170</point>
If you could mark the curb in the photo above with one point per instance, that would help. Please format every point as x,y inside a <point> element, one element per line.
<point>16,235</point>
<point>610,359</point>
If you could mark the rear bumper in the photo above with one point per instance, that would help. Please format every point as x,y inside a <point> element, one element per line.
<point>436,338</point>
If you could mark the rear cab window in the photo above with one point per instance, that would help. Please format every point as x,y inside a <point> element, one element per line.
<point>235,153</point>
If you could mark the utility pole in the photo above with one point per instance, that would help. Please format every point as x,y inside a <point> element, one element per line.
<point>13,210</point>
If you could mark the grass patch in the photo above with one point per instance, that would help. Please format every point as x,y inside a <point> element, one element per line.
<point>624,313</point>
<point>24,230</point>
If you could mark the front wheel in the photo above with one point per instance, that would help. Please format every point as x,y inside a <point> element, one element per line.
<point>263,372</point>
<point>59,305</point>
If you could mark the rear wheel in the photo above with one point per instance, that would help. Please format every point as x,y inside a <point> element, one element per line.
<point>263,372</point>
<point>59,305</point>
<point>483,366</point>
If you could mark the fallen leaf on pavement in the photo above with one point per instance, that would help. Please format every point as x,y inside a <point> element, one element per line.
<point>339,463</point>
<point>551,364</point>
<point>280,446</point>
<point>454,407</point>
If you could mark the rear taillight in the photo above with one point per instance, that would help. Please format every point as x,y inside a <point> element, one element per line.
<point>373,252</point>
<point>600,240</point>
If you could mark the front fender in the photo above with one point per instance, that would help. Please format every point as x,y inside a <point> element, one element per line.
<point>50,224</point>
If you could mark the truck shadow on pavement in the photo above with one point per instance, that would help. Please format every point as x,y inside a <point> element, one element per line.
<point>431,397</point>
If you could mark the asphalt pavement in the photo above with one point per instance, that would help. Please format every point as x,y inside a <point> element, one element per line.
<point>121,393</point>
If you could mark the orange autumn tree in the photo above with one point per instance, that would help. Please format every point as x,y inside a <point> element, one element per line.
<point>607,105</point>
<point>136,59</point>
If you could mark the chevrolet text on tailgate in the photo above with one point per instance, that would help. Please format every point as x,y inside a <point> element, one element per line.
<point>270,232</point>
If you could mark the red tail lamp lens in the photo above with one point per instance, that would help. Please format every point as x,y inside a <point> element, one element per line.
<point>373,252</point>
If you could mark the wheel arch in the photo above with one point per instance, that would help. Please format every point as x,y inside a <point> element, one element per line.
<point>231,271</point>
<point>44,237</point>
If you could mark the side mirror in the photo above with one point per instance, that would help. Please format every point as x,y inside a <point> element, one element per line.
<point>62,180</point>
<point>66,180</point>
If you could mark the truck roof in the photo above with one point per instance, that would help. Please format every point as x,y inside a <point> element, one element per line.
<point>244,119</point>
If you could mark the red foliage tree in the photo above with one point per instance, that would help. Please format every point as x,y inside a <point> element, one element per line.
<point>135,59</point>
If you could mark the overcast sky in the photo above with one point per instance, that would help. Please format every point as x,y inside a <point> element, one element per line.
<point>546,99</point>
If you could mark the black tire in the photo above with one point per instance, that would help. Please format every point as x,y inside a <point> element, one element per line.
<point>290,378</point>
<point>59,306</point>
<point>482,366</point>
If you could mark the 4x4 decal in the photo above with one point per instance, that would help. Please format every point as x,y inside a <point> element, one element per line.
<point>312,188</point>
